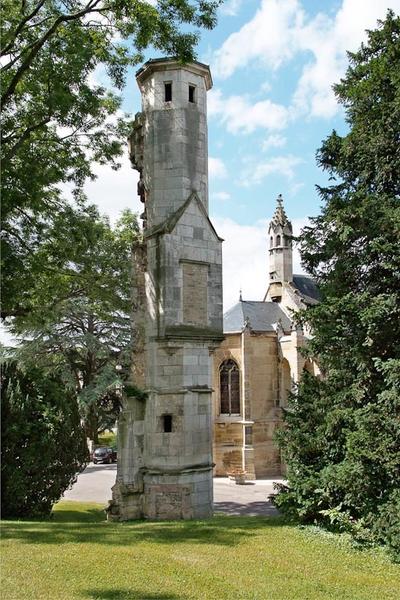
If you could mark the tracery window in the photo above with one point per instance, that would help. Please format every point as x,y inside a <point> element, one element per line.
<point>229,382</point>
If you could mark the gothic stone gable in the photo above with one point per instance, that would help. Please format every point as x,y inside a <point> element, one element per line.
<point>187,252</point>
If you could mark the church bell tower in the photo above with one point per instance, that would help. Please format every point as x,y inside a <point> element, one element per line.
<point>280,235</point>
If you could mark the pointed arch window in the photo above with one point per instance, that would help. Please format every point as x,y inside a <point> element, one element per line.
<point>278,240</point>
<point>229,382</point>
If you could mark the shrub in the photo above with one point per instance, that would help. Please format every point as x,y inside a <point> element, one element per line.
<point>43,443</point>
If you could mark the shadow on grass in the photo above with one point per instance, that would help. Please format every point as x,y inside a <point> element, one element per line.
<point>127,595</point>
<point>254,509</point>
<point>88,515</point>
<point>67,511</point>
<point>69,527</point>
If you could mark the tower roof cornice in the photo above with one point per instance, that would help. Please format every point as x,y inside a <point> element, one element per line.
<point>169,64</point>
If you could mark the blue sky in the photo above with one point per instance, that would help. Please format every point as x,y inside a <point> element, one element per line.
<point>273,63</point>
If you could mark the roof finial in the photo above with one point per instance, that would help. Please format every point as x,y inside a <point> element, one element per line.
<point>280,200</point>
<point>240,296</point>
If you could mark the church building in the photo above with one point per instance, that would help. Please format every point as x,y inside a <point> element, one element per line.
<point>259,362</point>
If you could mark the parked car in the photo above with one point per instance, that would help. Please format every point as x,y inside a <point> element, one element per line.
<point>104,454</point>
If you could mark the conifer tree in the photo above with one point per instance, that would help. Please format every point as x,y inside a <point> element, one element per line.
<point>43,445</point>
<point>342,435</point>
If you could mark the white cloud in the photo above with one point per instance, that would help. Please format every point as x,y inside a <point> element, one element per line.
<point>223,196</point>
<point>295,187</point>
<point>263,38</point>
<point>277,165</point>
<point>245,261</point>
<point>216,168</point>
<point>113,191</point>
<point>328,40</point>
<point>274,141</point>
<point>230,8</point>
<point>240,115</point>
<point>280,30</point>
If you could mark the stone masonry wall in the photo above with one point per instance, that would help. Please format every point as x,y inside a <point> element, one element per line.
<point>259,379</point>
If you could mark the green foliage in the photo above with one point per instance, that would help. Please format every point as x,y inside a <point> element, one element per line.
<point>79,320</point>
<point>108,439</point>
<point>133,391</point>
<point>43,444</point>
<point>342,435</point>
<point>57,122</point>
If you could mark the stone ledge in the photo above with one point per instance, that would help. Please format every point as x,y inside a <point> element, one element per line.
<point>192,332</point>
<point>178,471</point>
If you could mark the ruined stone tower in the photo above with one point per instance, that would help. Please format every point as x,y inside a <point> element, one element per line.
<point>166,458</point>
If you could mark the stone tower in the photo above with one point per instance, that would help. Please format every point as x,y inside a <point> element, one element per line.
<point>280,234</point>
<point>168,146</point>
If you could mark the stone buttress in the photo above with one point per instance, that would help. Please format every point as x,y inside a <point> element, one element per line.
<point>183,280</point>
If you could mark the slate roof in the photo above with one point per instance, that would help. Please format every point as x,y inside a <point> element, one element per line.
<point>307,288</point>
<point>260,315</point>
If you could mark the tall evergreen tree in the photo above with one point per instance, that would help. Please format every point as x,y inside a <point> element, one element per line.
<point>342,434</point>
<point>43,445</point>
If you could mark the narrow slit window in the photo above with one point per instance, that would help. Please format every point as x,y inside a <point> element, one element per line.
<point>192,93</point>
<point>168,92</point>
<point>167,422</point>
<point>248,432</point>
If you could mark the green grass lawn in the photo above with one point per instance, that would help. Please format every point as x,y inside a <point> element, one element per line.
<point>78,555</point>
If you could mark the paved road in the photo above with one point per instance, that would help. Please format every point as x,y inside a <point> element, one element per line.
<point>94,485</point>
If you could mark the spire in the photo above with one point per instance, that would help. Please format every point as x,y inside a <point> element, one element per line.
<point>280,234</point>
<point>240,296</point>
<point>280,217</point>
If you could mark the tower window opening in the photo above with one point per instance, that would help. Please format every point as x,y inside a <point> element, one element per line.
<point>229,388</point>
<point>271,241</point>
<point>278,240</point>
<point>192,93</point>
<point>168,91</point>
<point>167,423</point>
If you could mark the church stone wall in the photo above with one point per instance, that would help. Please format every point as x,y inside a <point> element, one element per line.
<point>262,372</point>
<point>228,431</point>
<point>257,358</point>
